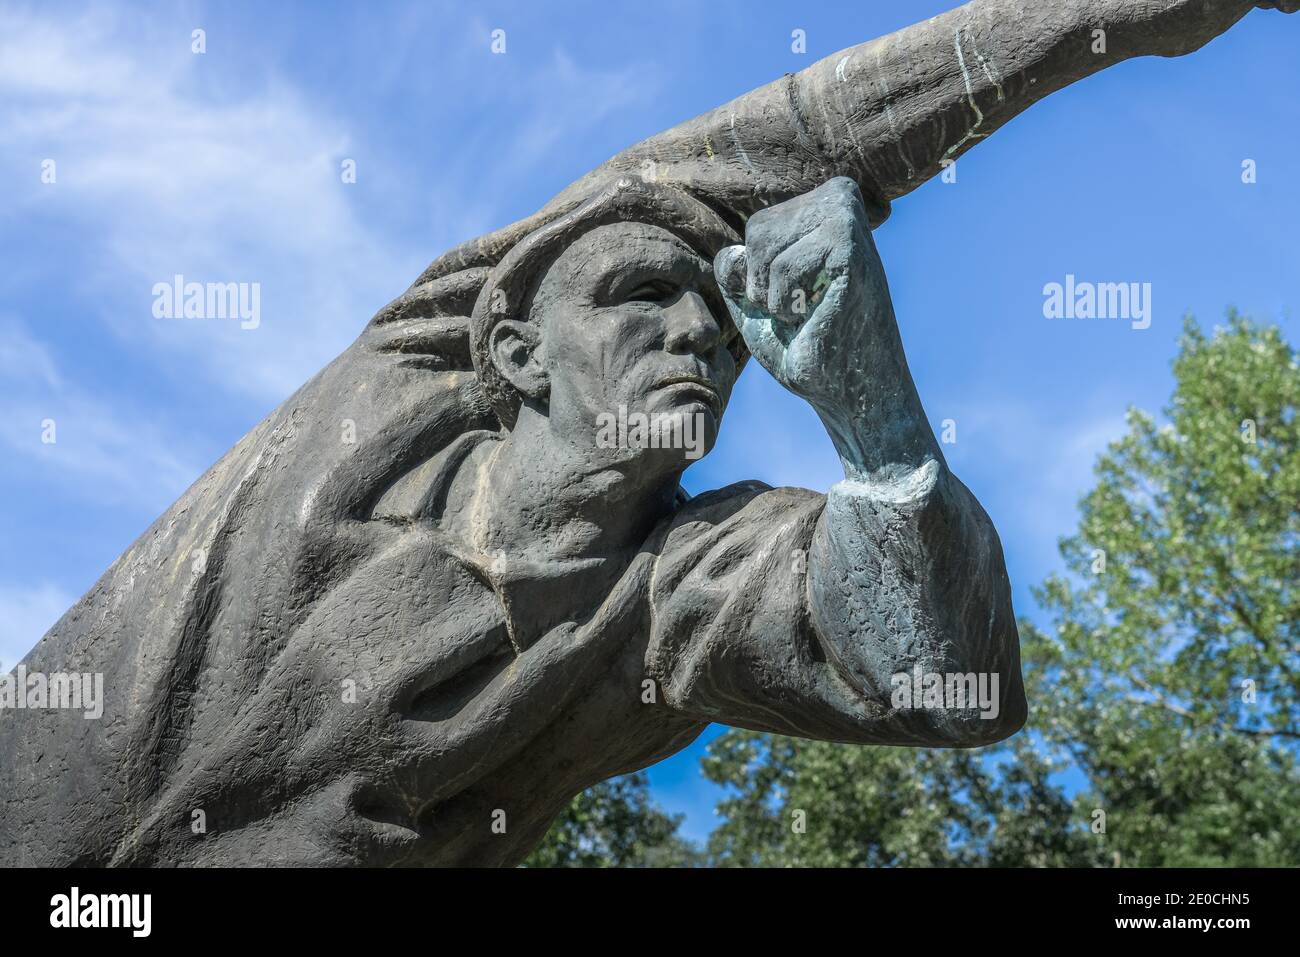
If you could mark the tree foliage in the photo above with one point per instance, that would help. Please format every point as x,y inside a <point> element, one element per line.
<point>811,804</point>
<point>614,824</point>
<point>1174,663</point>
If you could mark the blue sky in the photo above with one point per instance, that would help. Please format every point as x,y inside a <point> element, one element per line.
<point>226,165</point>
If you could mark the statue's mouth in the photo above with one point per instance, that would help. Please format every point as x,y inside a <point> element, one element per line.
<point>697,386</point>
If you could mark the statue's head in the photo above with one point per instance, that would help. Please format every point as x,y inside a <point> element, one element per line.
<point>611,311</point>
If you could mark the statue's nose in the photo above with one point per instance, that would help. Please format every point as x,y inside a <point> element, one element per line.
<point>691,326</point>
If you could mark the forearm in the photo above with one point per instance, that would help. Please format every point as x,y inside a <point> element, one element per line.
<point>876,421</point>
<point>863,390</point>
<point>893,110</point>
<point>905,568</point>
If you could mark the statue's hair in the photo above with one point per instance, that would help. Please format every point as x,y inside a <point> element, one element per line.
<point>512,284</point>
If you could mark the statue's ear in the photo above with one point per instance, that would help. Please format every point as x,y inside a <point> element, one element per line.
<point>515,350</point>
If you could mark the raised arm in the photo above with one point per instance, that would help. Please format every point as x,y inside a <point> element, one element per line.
<point>905,571</point>
<point>879,613</point>
<point>888,113</point>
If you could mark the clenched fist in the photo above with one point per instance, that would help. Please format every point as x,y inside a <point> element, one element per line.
<point>808,293</point>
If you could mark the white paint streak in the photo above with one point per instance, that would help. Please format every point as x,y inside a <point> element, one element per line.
<point>970,98</point>
<point>744,157</point>
<point>893,124</point>
<point>986,64</point>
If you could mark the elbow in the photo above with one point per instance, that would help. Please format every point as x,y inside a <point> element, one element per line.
<point>980,730</point>
<point>1000,708</point>
<point>1011,717</point>
<point>960,710</point>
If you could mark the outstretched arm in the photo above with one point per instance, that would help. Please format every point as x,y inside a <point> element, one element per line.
<point>888,113</point>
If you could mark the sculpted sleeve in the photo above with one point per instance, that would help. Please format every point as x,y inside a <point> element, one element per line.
<point>823,616</point>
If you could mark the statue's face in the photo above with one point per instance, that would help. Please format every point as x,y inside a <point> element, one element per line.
<point>631,320</point>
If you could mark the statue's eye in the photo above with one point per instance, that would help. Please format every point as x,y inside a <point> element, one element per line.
<point>653,290</point>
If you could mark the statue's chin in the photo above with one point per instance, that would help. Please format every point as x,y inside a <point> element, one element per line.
<point>676,427</point>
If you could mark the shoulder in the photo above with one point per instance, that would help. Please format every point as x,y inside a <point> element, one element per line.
<point>744,508</point>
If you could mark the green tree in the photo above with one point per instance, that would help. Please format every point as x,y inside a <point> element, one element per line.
<point>1174,660</point>
<point>797,803</point>
<point>614,824</point>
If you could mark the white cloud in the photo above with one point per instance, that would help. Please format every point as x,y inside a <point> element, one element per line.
<point>576,99</point>
<point>160,176</point>
<point>26,614</point>
<point>47,56</point>
<point>102,454</point>
<point>23,359</point>
<point>97,456</point>
<point>162,170</point>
